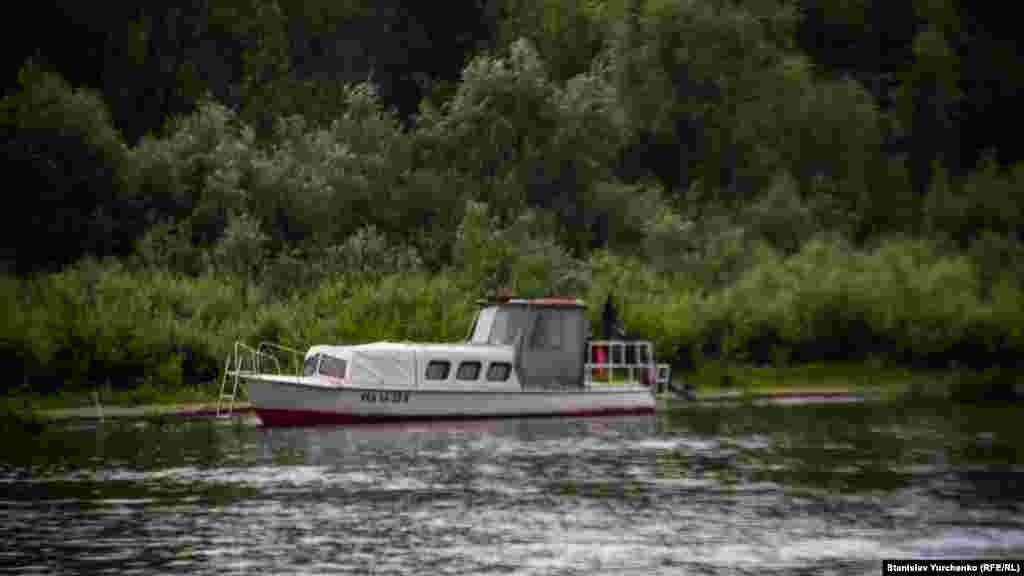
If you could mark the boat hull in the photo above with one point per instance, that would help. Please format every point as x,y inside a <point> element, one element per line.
<point>290,402</point>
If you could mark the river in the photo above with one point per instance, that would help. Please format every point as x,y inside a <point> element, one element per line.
<point>804,488</point>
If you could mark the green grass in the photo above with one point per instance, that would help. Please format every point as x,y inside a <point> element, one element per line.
<point>142,396</point>
<point>719,376</point>
<point>17,415</point>
<point>886,382</point>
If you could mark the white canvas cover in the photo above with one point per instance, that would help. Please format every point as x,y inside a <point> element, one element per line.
<point>383,364</point>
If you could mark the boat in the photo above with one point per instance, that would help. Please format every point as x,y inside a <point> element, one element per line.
<point>522,357</point>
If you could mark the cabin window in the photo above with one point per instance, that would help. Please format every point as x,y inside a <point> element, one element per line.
<point>333,367</point>
<point>501,332</point>
<point>509,322</point>
<point>468,371</point>
<point>547,332</point>
<point>438,369</point>
<point>309,366</point>
<point>498,371</point>
<point>499,325</point>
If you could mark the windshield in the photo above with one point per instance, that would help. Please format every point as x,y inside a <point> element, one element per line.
<point>499,325</point>
<point>309,366</point>
<point>482,328</point>
<point>508,323</point>
<point>333,367</point>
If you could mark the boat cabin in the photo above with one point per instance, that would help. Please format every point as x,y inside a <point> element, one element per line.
<point>553,345</point>
<point>548,334</point>
<point>513,344</point>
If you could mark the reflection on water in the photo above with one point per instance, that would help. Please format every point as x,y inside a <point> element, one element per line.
<point>813,488</point>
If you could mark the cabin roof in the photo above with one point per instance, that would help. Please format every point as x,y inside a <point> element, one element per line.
<point>555,301</point>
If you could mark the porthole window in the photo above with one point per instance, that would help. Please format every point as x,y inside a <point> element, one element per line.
<point>499,371</point>
<point>468,371</point>
<point>438,369</point>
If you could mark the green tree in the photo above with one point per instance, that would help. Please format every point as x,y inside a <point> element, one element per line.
<point>199,172</point>
<point>241,250</point>
<point>67,160</point>
<point>528,140</point>
<point>568,34</point>
<point>694,68</point>
<point>926,100</point>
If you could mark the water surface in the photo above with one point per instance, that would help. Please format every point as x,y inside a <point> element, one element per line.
<point>826,488</point>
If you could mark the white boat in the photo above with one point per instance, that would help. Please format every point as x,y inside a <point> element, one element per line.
<point>523,357</point>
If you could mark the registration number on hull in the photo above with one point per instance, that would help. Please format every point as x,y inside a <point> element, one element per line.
<point>384,396</point>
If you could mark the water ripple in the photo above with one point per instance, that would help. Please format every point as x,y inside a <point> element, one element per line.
<point>756,489</point>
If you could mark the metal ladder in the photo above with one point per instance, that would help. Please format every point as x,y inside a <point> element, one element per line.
<point>243,360</point>
<point>234,367</point>
<point>231,397</point>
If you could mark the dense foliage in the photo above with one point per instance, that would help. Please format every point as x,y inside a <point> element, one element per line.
<point>765,182</point>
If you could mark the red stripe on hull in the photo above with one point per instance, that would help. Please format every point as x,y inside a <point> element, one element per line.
<point>272,417</point>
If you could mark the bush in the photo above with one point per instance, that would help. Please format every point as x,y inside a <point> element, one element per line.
<point>987,204</point>
<point>903,301</point>
<point>399,306</point>
<point>523,256</point>
<point>290,272</point>
<point>997,258</point>
<point>675,321</point>
<point>780,217</point>
<point>168,245</point>
<point>241,250</point>
<point>96,324</point>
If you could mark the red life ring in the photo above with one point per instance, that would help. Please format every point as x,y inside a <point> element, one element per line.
<point>601,357</point>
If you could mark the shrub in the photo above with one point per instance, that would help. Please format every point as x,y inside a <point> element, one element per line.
<point>398,306</point>
<point>168,245</point>
<point>779,216</point>
<point>291,272</point>
<point>241,250</point>
<point>903,301</point>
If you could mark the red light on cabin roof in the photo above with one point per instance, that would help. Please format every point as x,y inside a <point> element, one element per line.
<point>503,295</point>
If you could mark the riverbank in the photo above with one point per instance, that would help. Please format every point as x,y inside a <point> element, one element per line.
<point>714,382</point>
<point>736,380</point>
<point>209,409</point>
<point>206,409</point>
<point>101,413</point>
<point>32,411</point>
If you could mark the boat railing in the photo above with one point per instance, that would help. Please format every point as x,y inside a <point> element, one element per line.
<point>271,350</point>
<point>664,377</point>
<point>620,362</point>
<point>245,360</point>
